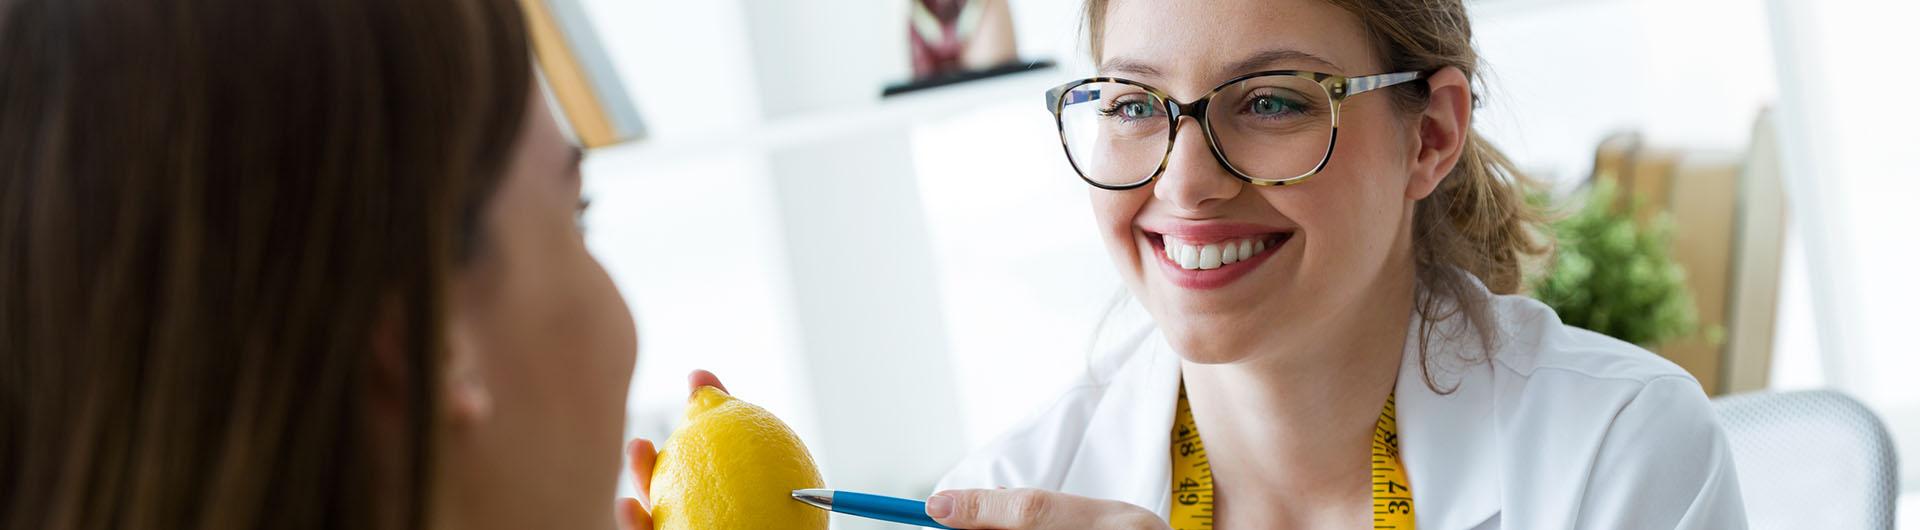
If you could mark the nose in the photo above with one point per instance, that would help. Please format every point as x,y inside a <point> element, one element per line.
<point>1194,180</point>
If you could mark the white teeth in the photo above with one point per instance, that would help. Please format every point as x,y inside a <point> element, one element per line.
<point>1212,255</point>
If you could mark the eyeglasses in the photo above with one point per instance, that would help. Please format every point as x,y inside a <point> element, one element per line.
<point>1269,128</point>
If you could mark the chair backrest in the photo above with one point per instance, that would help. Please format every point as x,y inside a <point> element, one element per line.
<point>1811,459</point>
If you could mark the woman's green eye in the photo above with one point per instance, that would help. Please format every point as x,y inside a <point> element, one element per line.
<point>1130,110</point>
<point>1269,106</point>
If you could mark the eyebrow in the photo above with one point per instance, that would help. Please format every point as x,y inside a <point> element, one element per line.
<point>1266,59</point>
<point>1258,61</point>
<point>1129,66</point>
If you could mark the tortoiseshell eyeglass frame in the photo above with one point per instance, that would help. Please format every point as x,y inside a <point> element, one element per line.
<point>1336,88</point>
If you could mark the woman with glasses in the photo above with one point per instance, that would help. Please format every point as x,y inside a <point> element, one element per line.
<point>1294,191</point>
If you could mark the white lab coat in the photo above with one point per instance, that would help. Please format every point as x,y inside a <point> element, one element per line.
<point>1564,428</point>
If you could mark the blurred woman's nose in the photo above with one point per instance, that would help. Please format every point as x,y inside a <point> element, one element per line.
<point>1194,180</point>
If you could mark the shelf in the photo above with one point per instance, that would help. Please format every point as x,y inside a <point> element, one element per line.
<point>894,112</point>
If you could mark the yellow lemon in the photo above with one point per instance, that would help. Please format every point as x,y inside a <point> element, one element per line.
<point>732,465</point>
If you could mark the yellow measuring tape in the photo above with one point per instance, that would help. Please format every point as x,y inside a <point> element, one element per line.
<point>1193,478</point>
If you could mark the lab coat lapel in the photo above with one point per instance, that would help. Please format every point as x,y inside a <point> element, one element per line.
<point>1124,455</point>
<point>1448,441</point>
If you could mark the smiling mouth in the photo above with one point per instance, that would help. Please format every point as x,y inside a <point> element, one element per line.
<point>1196,256</point>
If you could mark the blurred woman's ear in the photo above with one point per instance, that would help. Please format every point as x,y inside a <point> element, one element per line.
<point>466,399</point>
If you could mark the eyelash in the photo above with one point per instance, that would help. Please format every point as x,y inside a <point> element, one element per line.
<point>1114,111</point>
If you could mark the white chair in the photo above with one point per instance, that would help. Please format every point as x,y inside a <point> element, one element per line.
<point>1811,459</point>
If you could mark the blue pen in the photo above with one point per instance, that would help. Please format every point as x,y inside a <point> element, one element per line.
<point>904,511</point>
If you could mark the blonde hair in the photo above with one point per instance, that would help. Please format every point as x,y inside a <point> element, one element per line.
<point>1477,224</point>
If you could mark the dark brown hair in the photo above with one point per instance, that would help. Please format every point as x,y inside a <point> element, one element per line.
<point>206,207</point>
<point>1477,225</point>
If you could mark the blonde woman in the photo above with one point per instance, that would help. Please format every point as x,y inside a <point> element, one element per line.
<point>1294,191</point>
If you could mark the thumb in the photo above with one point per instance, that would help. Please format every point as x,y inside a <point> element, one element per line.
<point>700,378</point>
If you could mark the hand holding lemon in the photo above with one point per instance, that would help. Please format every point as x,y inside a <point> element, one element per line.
<point>730,464</point>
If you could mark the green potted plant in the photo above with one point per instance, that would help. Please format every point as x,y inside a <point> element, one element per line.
<point>1616,276</point>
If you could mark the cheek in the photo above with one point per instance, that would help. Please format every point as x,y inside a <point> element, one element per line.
<point>1114,213</point>
<point>616,326</point>
<point>572,335</point>
<point>595,330</point>
<point>1376,146</point>
<point>1352,212</point>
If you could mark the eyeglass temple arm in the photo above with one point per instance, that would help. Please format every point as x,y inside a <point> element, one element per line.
<point>1074,95</point>
<point>1361,85</point>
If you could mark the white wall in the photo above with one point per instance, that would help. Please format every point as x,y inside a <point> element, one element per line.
<point>1564,75</point>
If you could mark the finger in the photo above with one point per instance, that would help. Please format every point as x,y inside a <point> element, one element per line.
<point>700,378</point>
<point>1010,509</point>
<point>632,516</point>
<point>640,459</point>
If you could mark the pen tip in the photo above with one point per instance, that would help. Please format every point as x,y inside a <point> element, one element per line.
<point>819,498</point>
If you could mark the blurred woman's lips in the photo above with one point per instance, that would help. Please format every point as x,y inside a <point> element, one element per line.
<point>1212,255</point>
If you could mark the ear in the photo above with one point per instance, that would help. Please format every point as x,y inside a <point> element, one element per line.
<point>466,399</point>
<point>1442,131</point>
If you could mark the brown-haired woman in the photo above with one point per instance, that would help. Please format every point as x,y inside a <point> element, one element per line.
<point>1294,191</point>
<point>295,264</point>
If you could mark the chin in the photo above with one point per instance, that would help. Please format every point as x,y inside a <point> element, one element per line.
<point>1208,343</point>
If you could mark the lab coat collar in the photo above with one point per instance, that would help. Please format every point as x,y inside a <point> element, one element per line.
<point>1448,441</point>
<point>1140,398</point>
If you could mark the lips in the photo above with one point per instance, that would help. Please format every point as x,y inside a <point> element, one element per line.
<point>1207,256</point>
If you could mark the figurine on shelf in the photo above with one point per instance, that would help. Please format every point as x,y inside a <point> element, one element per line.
<point>959,40</point>
<point>953,36</point>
